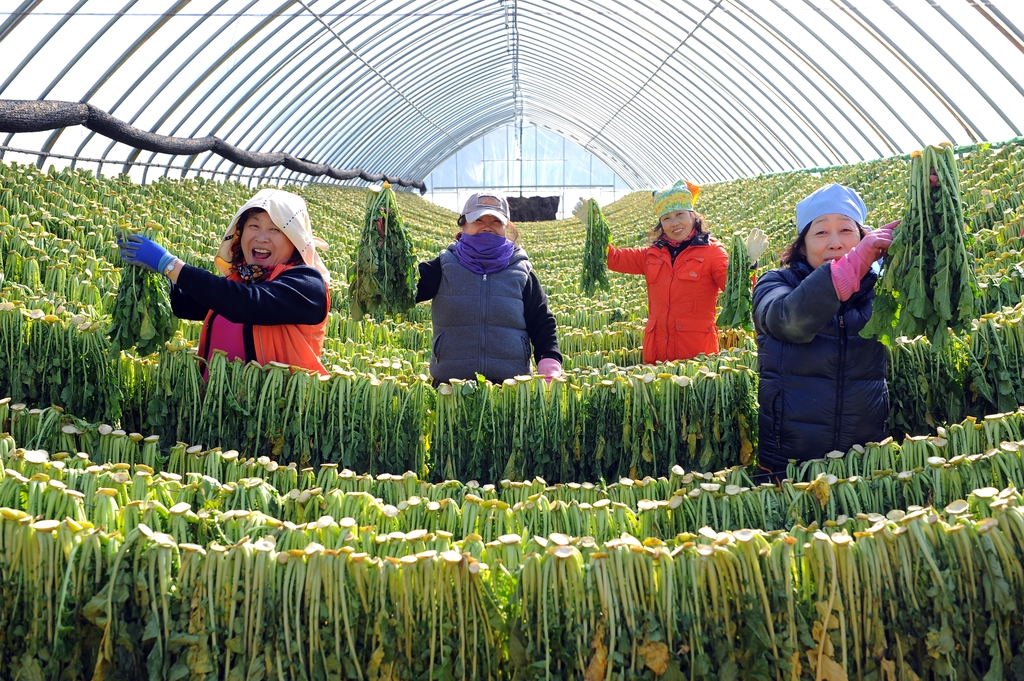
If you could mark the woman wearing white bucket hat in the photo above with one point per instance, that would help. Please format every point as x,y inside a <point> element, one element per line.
<point>271,303</point>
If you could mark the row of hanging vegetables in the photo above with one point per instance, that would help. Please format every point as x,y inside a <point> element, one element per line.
<point>378,414</point>
<point>171,576</point>
<point>929,595</point>
<point>151,486</point>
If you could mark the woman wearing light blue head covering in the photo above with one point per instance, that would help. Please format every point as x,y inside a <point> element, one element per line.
<point>822,387</point>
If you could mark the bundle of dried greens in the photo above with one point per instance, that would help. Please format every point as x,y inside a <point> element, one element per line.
<point>928,283</point>
<point>384,278</point>
<point>141,317</point>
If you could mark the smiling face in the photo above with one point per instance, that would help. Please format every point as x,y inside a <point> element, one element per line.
<point>830,237</point>
<point>678,226</point>
<point>264,243</point>
<point>486,224</point>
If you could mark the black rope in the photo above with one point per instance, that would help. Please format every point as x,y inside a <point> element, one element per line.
<point>18,115</point>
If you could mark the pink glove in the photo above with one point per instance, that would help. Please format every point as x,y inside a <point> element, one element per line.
<point>550,368</point>
<point>848,270</point>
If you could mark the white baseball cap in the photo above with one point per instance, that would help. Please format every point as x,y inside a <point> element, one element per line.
<point>486,203</point>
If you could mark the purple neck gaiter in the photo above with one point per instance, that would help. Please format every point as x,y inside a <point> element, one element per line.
<point>484,253</point>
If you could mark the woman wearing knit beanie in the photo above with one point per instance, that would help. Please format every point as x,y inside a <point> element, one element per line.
<point>685,269</point>
<point>822,387</point>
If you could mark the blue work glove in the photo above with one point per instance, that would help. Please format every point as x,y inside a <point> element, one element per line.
<point>142,252</point>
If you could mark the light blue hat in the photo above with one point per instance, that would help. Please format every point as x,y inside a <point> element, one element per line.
<point>832,198</point>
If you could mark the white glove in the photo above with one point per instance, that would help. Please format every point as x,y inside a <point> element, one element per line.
<point>756,243</point>
<point>581,211</point>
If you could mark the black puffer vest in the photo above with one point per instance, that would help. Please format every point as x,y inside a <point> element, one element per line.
<point>823,395</point>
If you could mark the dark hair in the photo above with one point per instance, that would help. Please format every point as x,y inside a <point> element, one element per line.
<point>238,258</point>
<point>657,231</point>
<point>510,228</point>
<point>797,251</point>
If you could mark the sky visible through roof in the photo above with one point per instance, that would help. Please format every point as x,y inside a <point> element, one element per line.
<point>706,89</point>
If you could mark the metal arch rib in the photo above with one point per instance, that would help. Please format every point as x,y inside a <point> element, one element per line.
<point>995,63</point>
<point>356,76</point>
<point>249,96</point>
<point>651,77</point>
<point>712,160</point>
<point>809,63</point>
<point>213,67</point>
<point>169,79</point>
<point>857,18</point>
<point>955,65</point>
<point>836,155</point>
<point>833,152</point>
<point>138,81</point>
<point>750,74</point>
<point>808,127</point>
<point>331,30</point>
<point>48,145</point>
<point>351,132</point>
<point>312,128</point>
<point>11,24</point>
<point>648,117</point>
<point>768,29</point>
<point>893,147</point>
<point>242,82</point>
<point>911,65</point>
<point>740,161</point>
<point>570,56</point>
<point>990,11</point>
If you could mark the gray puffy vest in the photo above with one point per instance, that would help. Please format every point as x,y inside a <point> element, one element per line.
<point>479,321</point>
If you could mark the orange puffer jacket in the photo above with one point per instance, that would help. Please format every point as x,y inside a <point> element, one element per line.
<point>681,296</point>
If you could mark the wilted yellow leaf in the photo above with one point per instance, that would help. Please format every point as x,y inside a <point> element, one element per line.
<point>821,491</point>
<point>797,667</point>
<point>599,662</point>
<point>830,669</point>
<point>655,654</point>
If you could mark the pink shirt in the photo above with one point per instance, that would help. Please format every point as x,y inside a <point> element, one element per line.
<point>226,336</point>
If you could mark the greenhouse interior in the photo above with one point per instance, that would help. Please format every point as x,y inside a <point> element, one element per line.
<point>362,339</point>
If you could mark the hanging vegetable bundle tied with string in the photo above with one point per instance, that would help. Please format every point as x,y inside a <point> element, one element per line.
<point>928,282</point>
<point>595,248</point>
<point>736,300</point>
<point>384,278</point>
<point>141,317</point>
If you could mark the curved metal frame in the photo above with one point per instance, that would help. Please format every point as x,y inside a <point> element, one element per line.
<point>704,89</point>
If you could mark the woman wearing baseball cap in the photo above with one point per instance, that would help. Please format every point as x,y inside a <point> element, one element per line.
<point>822,387</point>
<point>271,302</point>
<point>488,306</point>
<point>685,269</point>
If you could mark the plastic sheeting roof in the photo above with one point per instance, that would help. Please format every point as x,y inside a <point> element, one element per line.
<point>703,89</point>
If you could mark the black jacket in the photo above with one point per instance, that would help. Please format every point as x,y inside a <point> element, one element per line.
<point>822,387</point>
<point>297,296</point>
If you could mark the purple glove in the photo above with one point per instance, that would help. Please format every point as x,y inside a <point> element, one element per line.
<point>550,367</point>
<point>848,270</point>
<point>142,252</point>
